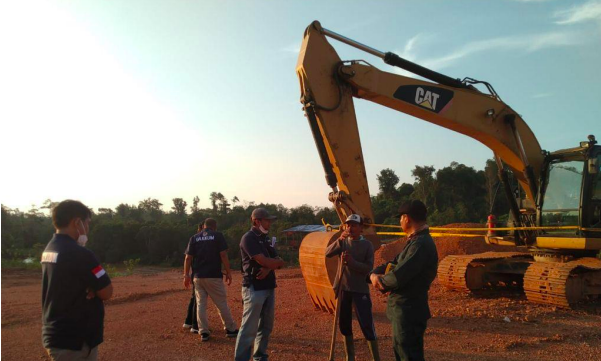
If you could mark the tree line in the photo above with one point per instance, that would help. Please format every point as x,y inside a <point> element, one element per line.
<point>148,232</point>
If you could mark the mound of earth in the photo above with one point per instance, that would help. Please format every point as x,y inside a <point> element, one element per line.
<point>445,245</point>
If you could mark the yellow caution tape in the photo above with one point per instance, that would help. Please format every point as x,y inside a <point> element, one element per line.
<point>445,234</point>
<point>432,234</point>
<point>488,229</point>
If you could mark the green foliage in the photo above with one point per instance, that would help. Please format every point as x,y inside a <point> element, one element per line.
<point>145,234</point>
<point>131,264</point>
<point>131,235</point>
<point>454,194</point>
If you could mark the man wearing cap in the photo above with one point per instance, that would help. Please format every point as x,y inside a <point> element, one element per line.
<point>206,252</point>
<point>408,282</point>
<point>259,262</point>
<point>357,255</point>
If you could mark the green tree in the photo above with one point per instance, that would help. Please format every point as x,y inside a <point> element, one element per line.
<point>387,181</point>
<point>425,186</point>
<point>194,209</point>
<point>214,197</point>
<point>151,208</point>
<point>179,206</point>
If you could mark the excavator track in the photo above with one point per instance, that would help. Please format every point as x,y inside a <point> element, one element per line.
<point>468,272</point>
<point>563,284</point>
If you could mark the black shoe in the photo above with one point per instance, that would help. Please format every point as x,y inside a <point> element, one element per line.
<point>229,333</point>
<point>204,336</point>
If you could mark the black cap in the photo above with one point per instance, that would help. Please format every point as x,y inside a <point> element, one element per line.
<point>261,213</point>
<point>414,209</point>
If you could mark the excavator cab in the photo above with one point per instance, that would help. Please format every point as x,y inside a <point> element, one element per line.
<point>570,196</point>
<point>571,191</point>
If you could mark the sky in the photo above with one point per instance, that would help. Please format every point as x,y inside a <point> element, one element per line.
<point>113,102</point>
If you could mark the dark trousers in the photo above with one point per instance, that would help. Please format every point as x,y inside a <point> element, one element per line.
<point>408,339</point>
<point>191,316</point>
<point>362,304</point>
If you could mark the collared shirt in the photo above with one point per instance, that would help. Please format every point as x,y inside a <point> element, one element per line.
<point>414,270</point>
<point>361,262</point>
<point>253,243</point>
<point>205,247</point>
<point>68,318</point>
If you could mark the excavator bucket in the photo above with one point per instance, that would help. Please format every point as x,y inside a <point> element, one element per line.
<point>318,271</point>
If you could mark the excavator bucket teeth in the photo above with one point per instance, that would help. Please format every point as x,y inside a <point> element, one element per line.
<point>318,271</point>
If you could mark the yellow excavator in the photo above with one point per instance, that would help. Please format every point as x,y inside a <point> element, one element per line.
<point>556,223</point>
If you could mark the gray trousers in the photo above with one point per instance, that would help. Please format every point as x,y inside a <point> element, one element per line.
<point>61,354</point>
<point>214,288</point>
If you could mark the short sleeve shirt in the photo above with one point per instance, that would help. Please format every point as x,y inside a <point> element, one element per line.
<point>254,243</point>
<point>68,318</point>
<point>205,247</point>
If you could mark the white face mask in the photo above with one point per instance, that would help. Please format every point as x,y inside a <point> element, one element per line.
<point>83,238</point>
<point>263,230</point>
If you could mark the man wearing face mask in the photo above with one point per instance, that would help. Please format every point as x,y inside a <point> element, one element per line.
<point>74,286</point>
<point>259,262</point>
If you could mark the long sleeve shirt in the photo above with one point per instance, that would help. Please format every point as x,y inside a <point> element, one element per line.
<point>354,272</point>
<point>414,270</point>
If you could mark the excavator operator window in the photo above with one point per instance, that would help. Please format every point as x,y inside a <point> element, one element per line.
<point>562,196</point>
<point>595,214</point>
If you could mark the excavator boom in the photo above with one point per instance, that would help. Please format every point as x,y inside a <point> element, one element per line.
<point>328,86</point>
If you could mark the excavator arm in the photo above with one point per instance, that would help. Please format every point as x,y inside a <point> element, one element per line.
<point>328,86</point>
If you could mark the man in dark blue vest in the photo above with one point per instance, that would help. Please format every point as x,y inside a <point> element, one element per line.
<point>74,286</point>
<point>259,262</point>
<point>206,253</point>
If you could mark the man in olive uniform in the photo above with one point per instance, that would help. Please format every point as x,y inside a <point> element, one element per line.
<point>357,255</point>
<point>408,282</point>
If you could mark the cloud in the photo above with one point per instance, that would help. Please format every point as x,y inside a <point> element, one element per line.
<point>292,48</point>
<point>525,43</point>
<point>542,95</point>
<point>532,1</point>
<point>580,13</point>
<point>409,53</point>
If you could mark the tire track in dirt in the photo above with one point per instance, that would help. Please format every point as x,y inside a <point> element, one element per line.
<point>137,296</point>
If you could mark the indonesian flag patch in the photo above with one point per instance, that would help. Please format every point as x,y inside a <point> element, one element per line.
<point>99,271</point>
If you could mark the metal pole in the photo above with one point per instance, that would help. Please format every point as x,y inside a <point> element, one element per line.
<point>337,312</point>
<point>395,60</point>
<point>353,43</point>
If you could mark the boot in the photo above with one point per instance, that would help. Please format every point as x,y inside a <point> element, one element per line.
<point>373,350</point>
<point>349,348</point>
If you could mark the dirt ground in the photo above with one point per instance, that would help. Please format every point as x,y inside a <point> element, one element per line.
<point>144,322</point>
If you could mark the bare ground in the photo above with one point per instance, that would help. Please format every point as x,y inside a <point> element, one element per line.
<point>144,322</point>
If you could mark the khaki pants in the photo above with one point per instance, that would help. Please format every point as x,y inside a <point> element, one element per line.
<point>61,354</point>
<point>214,288</point>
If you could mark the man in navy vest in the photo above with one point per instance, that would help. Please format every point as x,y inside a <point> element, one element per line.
<point>206,252</point>
<point>259,262</point>
<point>74,286</point>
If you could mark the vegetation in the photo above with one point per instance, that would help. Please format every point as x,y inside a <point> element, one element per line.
<point>144,233</point>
